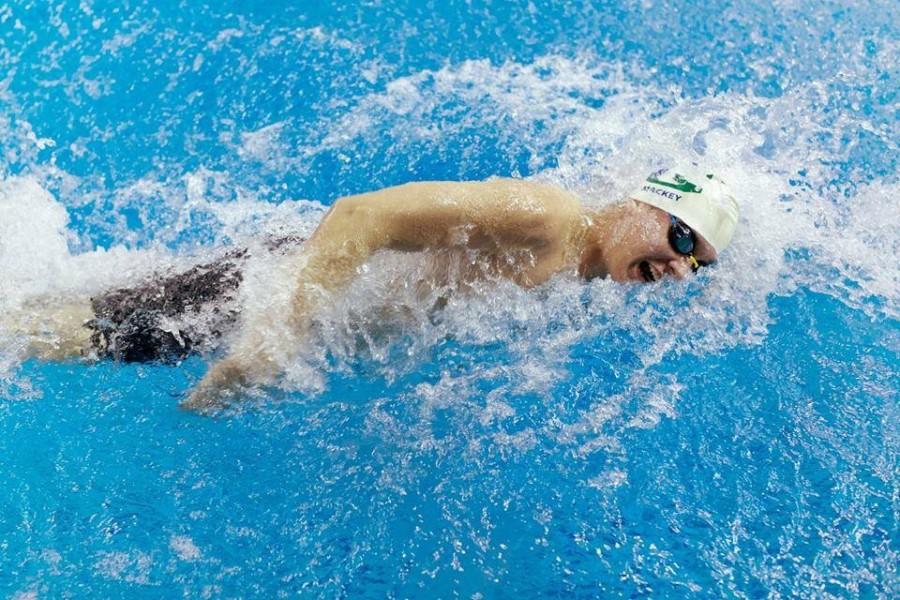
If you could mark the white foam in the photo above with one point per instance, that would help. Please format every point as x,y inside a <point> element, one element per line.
<point>35,260</point>
<point>32,236</point>
<point>263,143</point>
<point>184,547</point>
<point>609,479</point>
<point>132,567</point>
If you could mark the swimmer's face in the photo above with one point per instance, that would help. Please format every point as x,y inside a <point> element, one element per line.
<point>640,250</point>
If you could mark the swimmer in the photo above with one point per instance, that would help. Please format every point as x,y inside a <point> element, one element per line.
<point>675,223</point>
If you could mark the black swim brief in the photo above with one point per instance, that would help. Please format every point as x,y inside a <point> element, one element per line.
<point>168,317</point>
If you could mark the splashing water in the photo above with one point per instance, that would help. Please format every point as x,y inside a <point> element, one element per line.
<point>733,435</point>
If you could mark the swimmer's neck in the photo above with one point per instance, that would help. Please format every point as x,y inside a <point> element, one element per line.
<point>594,235</point>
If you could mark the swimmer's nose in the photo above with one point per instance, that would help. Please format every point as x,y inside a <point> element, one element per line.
<point>679,268</point>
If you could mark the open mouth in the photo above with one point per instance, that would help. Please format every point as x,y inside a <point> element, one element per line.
<point>646,272</point>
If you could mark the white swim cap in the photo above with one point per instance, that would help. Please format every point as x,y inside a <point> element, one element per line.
<point>697,197</point>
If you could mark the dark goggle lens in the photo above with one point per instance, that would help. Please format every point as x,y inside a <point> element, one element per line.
<point>681,237</point>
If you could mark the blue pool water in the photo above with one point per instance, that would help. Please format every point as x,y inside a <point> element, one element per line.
<point>731,436</point>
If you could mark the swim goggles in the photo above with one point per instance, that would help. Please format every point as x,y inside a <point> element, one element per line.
<point>683,240</point>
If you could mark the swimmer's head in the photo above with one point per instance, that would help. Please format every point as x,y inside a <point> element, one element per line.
<point>677,221</point>
<point>697,198</point>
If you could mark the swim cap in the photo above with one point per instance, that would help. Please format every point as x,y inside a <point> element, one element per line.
<point>697,197</point>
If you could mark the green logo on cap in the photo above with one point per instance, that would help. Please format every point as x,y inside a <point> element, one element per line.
<point>681,184</point>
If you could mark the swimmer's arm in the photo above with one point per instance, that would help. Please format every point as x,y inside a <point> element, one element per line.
<point>411,217</point>
<point>429,215</point>
<point>327,261</point>
<point>497,214</point>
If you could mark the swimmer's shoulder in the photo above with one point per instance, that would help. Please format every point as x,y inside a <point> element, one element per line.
<point>549,196</point>
<point>495,194</point>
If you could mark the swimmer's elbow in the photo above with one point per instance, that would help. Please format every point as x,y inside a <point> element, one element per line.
<point>358,220</point>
